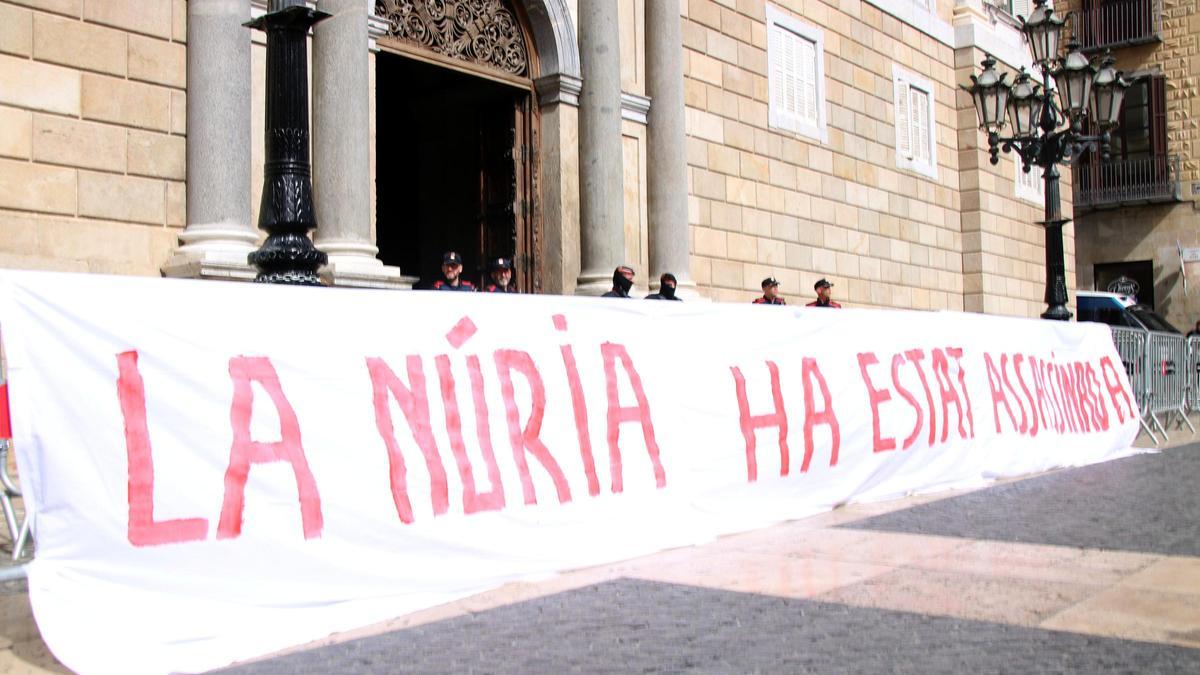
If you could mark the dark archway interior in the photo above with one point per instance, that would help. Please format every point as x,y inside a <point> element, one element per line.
<point>441,142</point>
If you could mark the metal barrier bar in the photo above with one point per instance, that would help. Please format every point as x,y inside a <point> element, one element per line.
<point>1166,366</point>
<point>1132,344</point>
<point>1193,374</point>
<point>18,529</point>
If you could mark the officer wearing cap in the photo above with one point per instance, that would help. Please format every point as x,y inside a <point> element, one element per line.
<point>500,270</point>
<point>770,296</point>
<point>452,275</point>
<point>666,288</point>
<point>822,288</point>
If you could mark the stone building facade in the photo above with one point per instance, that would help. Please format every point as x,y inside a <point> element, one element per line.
<point>722,140</point>
<point>1140,214</point>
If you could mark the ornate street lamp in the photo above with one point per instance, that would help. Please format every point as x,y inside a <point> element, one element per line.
<point>1025,106</point>
<point>1047,132</point>
<point>286,212</point>
<point>1108,93</point>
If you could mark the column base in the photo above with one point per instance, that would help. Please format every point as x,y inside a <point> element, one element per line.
<point>364,273</point>
<point>594,285</point>
<point>591,285</point>
<point>227,265</point>
<point>684,290</point>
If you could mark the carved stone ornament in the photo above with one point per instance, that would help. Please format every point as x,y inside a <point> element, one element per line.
<point>485,32</point>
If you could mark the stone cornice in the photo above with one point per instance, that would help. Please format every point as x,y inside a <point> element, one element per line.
<point>259,7</point>
<point>635,108</point>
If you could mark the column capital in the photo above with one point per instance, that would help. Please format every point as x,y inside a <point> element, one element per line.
<point>558,88</point>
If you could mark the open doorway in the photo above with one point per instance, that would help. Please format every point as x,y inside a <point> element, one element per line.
<point>454,170</point>
<point>1135,279</point>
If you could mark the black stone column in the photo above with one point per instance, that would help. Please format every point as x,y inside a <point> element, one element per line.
<point>286,213</point>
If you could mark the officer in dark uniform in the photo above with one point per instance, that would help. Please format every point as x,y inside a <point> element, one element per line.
<point>452,275</point>
<point>622,282</point>
<point>822,288</point>
<point>770,296</point>
<point>500,270</point>
<point>666,288</point>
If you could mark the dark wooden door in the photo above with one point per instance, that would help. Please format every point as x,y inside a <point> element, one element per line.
<point>506,222</point>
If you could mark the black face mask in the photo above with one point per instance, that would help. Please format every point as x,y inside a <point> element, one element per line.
<point>666,291</point>
<point>621,283</point>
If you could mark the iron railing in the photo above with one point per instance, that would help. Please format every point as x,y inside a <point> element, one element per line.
<point>1123,182</point>
<point>1121,23</point>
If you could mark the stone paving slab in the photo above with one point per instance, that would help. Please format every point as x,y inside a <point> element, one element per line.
<point>1146,503</point>
<point>630,625</point>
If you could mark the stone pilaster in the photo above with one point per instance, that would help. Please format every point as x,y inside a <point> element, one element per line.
<point>666,170</point>
<point>601,197</point>
<point>218,234</point>
<point>342,149</point>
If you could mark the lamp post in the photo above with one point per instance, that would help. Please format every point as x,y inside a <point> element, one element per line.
<point>1046,132</point>
<point>286,212</point>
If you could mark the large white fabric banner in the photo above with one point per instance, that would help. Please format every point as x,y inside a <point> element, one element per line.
<point>222,470</point>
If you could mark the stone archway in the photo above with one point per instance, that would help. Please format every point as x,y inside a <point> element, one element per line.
<point>554,71</point>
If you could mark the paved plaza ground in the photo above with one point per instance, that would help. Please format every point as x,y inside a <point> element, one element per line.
<point>1094,569</point>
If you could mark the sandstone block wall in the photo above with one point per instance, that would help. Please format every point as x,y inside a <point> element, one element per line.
<point>92,123</point>
<point>767,202</point>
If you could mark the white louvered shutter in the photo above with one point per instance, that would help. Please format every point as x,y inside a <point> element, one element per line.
<point>903,126</point>
<point>775,49</point>
<point>918,110</point>
<point>790,84</point>
<point>806,67</point>
<point>1022,7</point>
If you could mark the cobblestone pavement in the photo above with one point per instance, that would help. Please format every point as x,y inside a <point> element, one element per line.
<point>1083,570</point>
<point>1146,503</point>
<point>628,625</point>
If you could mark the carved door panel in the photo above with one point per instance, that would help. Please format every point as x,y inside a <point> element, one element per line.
<point>505,223</point>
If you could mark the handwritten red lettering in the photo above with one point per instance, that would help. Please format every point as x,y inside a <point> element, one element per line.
<point>527,440</point>
<point>751,423</point>
<point>143,529</point>
<point>812,417</point>
<point>415,406</point>
<point>618,414</point>
<point>246,451</point>
<point>877,397</point>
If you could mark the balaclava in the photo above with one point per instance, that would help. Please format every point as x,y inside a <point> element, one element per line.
<point>621,283</point>
<point>666,291</point>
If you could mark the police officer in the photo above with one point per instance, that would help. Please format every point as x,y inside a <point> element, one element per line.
<point>770,296</point>
<point>666,288</point>
<point>452,275</point>
<point>823,289</point>
<point>622,282</point>
<point>500,270</point>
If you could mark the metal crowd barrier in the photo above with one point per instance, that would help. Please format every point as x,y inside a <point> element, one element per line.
<point>1193,374</point>
<point>18,528</point>
<point>1164,371</point>
<point>1131,346</point>
<point>1168,377</point>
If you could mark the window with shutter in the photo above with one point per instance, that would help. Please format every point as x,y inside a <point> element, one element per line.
<point>903,126</point>
<point>916,133</point>
<point>919,109</point>
<point>795,54</point>
<point>1021,8</point>
<point>1029,186</point>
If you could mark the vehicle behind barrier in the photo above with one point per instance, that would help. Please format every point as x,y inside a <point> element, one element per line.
<point>1119,310</point>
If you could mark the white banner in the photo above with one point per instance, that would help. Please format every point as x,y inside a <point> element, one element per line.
<point>222,470</point>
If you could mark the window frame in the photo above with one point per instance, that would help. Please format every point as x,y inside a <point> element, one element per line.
<point>908,160</point>
<point>1034,194</point>
<point>779,119</point>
